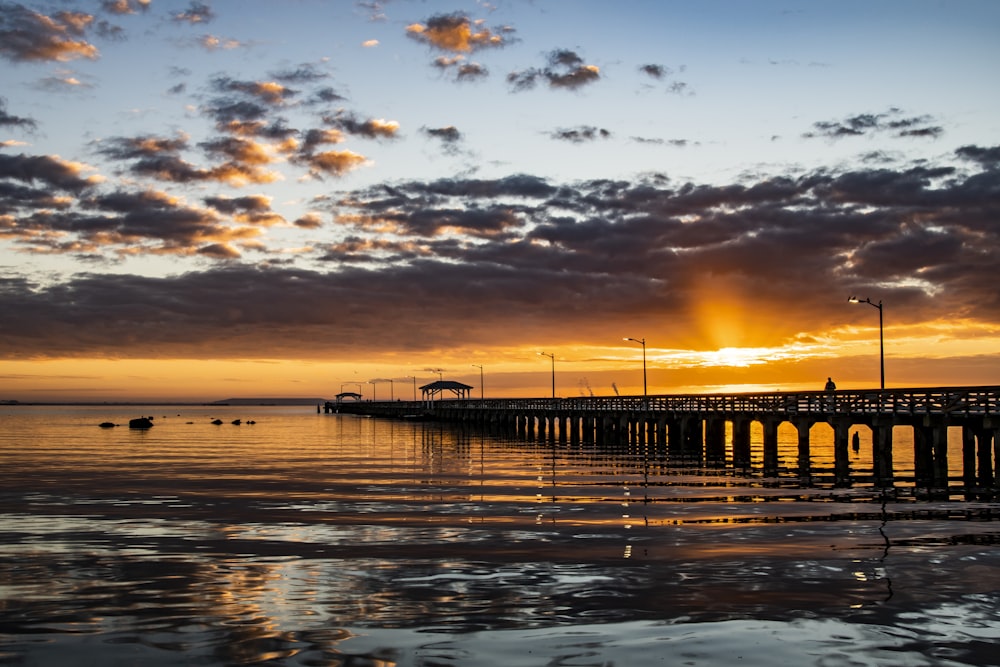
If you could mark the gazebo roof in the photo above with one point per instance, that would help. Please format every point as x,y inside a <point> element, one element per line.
<point>445,384</point>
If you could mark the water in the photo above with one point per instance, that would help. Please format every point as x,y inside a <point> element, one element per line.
<point>307,539</point>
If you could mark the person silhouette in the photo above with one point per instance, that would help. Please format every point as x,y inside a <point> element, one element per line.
<point>830,385</point>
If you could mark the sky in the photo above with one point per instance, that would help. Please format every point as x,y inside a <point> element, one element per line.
<point>204,200</point>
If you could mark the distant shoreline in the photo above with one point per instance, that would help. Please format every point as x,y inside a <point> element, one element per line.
<point>258,402</point>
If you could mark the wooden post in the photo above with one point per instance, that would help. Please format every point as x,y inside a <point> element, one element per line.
<point>841,457</point>
<point>802,427</point>
<point>771,446</point>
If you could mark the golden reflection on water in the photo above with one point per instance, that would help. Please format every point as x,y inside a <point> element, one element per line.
<point>301,536</point>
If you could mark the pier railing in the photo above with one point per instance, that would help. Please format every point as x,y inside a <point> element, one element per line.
<point>979,401</point>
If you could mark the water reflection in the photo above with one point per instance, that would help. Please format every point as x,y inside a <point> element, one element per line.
<point>337,540</point>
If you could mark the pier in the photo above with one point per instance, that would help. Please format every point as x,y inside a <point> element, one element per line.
<point>715,429</point>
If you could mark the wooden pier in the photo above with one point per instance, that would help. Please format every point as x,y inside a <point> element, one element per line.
<point>693,427</point>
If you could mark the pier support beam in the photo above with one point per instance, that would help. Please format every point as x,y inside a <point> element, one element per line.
<point>741,443</point>
<point>802,427</point>
<point>882,453</point>
<point>771,446</point>
<point>841,458</point>
<point>715,441</point>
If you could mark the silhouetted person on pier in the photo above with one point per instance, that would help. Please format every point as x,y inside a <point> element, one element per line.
<point>830,385</point>
<point>856,442</point>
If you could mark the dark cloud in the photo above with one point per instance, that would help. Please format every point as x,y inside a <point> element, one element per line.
<point>655,71</point>
<point>987,157</point>
<point>52,171</point>
<point>196,13</point>
<point>371,128</point>
<point>126,148</point>
<point>266,92</point>
<point>566,69</point>
<point>27,35</point>
<point>160,158</point>
<point>449,134</point>
<point>11,120</point>
<point>889,122</point>
<point>305,73</point>
<point>580,134</point>
<point>252,209</point>
<point>227,110</point>
<point>459,260</point>
<point>464,71</point>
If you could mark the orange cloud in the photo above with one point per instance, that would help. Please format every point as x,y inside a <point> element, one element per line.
<point>454,32</point>
<point>336,163</point>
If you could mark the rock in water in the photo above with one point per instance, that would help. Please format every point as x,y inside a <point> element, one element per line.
<point>141,422</point>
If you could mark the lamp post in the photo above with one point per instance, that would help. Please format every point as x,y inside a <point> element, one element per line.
<point>552,356</point>
<point>482,390</point>
<point>414,378</point>
<point>392,395</point>
<point>641,341</point>
<point>372,383</point>
<point>881,338</point>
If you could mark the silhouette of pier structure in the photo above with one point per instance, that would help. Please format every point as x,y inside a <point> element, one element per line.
<point>715,429</point>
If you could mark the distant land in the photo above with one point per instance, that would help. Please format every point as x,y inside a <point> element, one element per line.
<point>227,401</point>
<point>269,401</point>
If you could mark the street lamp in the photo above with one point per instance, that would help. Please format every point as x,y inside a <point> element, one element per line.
<point>482,391</point>
<point>372,383</point>
<point>881,339</point>
<point>552,356</point>
<point>641,341</point>
<point>392,395</point>
<point>414,378</point>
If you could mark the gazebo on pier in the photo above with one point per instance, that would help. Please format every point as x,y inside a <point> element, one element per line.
<point>435,390</point>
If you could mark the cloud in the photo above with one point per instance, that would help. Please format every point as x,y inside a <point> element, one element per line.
<point>51,170</point>
<point>214,43</point>
<point>369,43</point>
<point>63,81</point>
<point>309,221</point>
<point>197,12</point>
<point>125,6</point>
<point>160,158</point>
<point>10,120</point>
<point>372,128</point>
<point>332,163</point>
<point>28,36</point>
<point>251,209</point>
<point>655,71</point>
<point>448,135</point>
<point>462,261</point>
<point>565,69</point>
<point>457,33</point>
<point>463,71</point>
<point>580,134</point>
<point>889,122</point>
<point>266,92</point>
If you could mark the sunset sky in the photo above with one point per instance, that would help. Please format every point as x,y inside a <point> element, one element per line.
<point>203,200</point>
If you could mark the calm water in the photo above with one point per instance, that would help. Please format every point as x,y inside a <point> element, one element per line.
<point>308,539</point>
